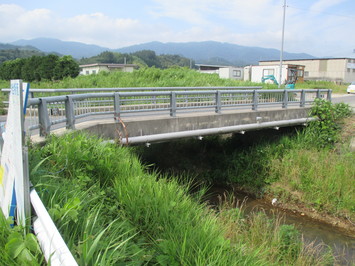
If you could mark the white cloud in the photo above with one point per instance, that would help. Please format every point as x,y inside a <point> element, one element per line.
<point>322,5</point>
<point>18,23</point>
<point>15,21</point>
<point>252,23</point>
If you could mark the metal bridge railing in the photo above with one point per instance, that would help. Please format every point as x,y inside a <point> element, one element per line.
<point>37,93</point>
<point>45,112</point>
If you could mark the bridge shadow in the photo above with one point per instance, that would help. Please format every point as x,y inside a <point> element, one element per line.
<point>238,159</point>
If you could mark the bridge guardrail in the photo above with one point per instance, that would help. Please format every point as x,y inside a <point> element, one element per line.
<point>44,112</point>
<point>36,93</point>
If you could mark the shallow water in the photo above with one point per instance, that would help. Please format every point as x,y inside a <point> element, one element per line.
<point>343,245</point>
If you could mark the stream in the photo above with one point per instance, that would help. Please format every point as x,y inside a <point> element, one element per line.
<point>343,246</point>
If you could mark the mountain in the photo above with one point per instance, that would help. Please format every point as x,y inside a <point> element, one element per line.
<point>207,52</point>
<point>7,46</point>
<point>215,52</point>
<point>75,49</point>
<point>11,52</point>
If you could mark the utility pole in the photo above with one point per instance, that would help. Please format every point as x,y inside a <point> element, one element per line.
<point>282,43</point>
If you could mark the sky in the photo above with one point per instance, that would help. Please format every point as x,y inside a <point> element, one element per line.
<point>322,28</point>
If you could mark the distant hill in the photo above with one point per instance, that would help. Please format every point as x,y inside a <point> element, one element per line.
<point>75,49</point>
<point>11,52</point>
<point>7,46</point>
<point>211,52</point>
<point>208,52</point>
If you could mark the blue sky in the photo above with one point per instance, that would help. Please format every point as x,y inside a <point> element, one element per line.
<point>324,28</point>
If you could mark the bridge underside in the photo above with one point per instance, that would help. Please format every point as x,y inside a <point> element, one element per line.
<point>147,129</point>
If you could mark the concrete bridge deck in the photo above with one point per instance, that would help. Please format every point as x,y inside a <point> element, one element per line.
<point>158,128</point>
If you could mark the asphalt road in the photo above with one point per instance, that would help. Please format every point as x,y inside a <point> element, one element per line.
<point>345,98</point>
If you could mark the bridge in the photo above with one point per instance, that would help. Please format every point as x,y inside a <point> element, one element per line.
<point>160,114</point>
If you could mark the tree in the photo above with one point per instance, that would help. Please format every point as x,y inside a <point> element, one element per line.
<point>66,67</point>
<point>149,57</point>
<point>11,69</point>
<point>47,65</point>
<point>107,57</point>
<point>30,68</point>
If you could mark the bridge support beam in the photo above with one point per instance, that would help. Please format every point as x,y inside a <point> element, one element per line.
<point>214,131</point>
<point>164,128</point>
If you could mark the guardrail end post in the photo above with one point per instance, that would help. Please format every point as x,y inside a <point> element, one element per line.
<point>173,104</point>
<point>218,102</point>
<point>116,103</point>
<point>69,113</point>
<point>43,118</point>
<point>255,101</point>
<point>285,100</point>
<point>329,95</point>
<point>303,99</point>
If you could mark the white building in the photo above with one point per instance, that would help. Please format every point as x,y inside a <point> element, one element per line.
<point>98,67</point>
<point>257,73</point>
<point>228,72</point>
<point>340,70</point>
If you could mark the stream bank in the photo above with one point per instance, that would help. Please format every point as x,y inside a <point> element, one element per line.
<point>319,228</point>
<point>244,161</point>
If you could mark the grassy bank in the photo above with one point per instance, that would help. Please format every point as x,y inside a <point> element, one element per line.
<point>143,77</point>
<point>110,210</point>
<point>171,77</point>
<point>310,166</point>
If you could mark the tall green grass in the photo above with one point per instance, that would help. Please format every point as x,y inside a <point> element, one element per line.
<point>274,241</point>
<point>336,88</point>
<point>302,165</point>
<point>17,248</point>
<point>144,77</point>
<point>323,178</point>
<point>74,177</point>
<point>110,210</point>
<point>5,232</point>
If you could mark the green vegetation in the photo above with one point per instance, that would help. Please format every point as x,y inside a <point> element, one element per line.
<point>336,88</point>
<point>144,58</point>
<point>304,167</point>
<point>16,248</point>
<point>14,53</point>
<point>111,210</point>
<point>143,77</point>
<point>36,68</point>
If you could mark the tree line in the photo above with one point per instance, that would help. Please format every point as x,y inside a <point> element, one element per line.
<point>37,68</point>
<point>145,58</point>
<point>54,67</point>
<point>12,54</point>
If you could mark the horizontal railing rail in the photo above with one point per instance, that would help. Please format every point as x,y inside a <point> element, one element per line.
<point>45,112</point>
<point>36,93</point>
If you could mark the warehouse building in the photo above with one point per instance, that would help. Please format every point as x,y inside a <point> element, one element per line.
<point>339,70</point>
<point>227,72</point>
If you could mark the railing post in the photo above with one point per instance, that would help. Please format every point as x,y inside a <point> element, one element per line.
<point>329,95</point>
<point>255,100</point>
<point>285,100</point>
<point>173,104</point>
<point>43,118</point>
<point>218,102</point>
<point>318,93</point>
<point>303,99</point>
<point>69,113</point>
<point>116,104</point>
